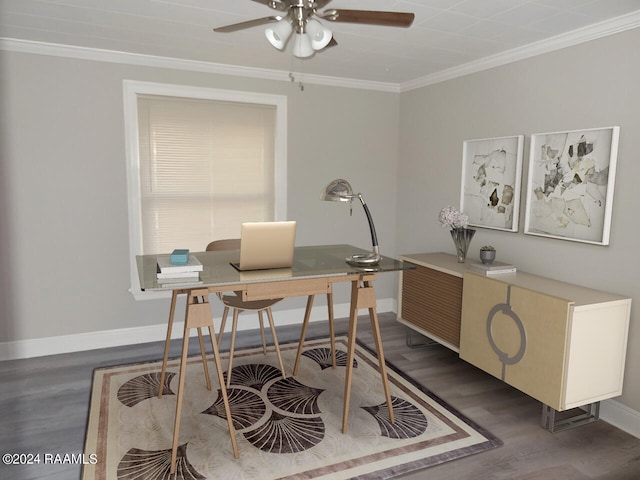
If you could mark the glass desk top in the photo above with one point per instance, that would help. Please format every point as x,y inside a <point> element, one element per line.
<point>308,262</point>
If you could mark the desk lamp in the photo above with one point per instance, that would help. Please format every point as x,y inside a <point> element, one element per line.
<point>340,191</point>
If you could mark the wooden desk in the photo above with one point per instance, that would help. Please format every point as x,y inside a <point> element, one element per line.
<point>315,270</point>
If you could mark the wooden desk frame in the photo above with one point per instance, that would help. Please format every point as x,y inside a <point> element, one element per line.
<point>198,315</point>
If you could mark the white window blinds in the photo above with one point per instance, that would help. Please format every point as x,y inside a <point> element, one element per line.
<point>206,166</point>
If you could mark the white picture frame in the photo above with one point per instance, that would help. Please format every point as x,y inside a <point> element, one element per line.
<point>571,183</point>
<point>491,178</point>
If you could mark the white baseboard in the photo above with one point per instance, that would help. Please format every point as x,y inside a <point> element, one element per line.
<point>611,411</point>
<point>39,347</point>
<point>621,416</point>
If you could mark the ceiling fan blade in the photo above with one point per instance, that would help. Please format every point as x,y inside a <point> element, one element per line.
<point>369,17</point>
<point>275,4</point>
<point>248,24</point>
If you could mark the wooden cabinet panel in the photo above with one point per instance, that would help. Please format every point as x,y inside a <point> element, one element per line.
<point>432,301</point>
<point>517,335</point>
<point>563,352</point>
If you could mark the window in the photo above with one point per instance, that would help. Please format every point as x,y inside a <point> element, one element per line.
<point>201,162</point>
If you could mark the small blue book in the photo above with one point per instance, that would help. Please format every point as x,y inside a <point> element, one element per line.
<point>180,256</point>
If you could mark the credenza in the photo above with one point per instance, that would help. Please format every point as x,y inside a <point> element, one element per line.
<point>560,343</point>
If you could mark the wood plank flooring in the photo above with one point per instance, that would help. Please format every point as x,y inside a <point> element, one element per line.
<point>44,406</point>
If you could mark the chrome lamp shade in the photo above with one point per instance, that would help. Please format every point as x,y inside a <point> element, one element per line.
<point>340,190</point>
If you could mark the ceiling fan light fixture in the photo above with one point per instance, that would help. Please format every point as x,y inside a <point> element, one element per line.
<point>302,46</point>
<point>320,35</point>
<point>279,33</point>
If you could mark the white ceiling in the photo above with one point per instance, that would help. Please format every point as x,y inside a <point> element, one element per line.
<point>445,35</point>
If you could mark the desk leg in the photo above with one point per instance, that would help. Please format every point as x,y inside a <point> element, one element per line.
<point>363,297</point>
<point>223,391</point>
<point>167,342</point>
<point>198,315</point>
<point>183,370</point>
<point>351,347</point>
<point>375,327</point>
<point>204,359</point>
<point>303,333</point>
<point>332,331</point>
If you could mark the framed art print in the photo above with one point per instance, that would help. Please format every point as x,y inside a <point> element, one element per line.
<point>491,173</point>
<point>570,184</point>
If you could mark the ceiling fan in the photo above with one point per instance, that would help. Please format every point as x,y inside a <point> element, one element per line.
<point>310,36</point>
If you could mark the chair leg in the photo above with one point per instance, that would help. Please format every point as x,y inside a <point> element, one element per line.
<point>264,341</point>
<point>232,347</point>
<point>222,325</point>
<point>275,342</point>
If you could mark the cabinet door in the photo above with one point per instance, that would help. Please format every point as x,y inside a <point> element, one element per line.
<point>517,335</point>
<point>432,301</point>
<point>597,352</point>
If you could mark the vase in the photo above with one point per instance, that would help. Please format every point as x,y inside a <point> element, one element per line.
<point>462,238</point>
<point>487,256</point>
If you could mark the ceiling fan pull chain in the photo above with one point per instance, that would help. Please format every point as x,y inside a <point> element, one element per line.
<point>300,83</point>
<point>292,77</point>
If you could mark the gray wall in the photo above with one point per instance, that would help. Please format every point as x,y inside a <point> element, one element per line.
<point>64,225</point>
<point>591,85</point>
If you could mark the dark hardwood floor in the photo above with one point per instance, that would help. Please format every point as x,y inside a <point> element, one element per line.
<point>44,406</point>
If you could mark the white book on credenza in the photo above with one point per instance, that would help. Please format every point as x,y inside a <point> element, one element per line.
<point>494,268</point>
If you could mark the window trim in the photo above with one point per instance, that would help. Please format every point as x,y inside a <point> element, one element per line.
<point>131,90</point>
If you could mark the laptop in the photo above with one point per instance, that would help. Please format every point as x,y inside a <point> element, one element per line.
<point>266,245</point>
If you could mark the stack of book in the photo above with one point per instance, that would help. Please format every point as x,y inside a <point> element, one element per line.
<point>184,273</point>
<point>494,268</point>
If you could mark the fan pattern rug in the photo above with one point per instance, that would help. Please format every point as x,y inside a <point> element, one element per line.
<point>286,428</point>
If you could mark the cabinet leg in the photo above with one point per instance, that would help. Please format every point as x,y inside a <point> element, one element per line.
<point>425,341</point>
<point>555,421</point>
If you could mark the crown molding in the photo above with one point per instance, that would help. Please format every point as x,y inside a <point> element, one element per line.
<point>574,37</point>
<point>112,56</point>
<point>569,39</point>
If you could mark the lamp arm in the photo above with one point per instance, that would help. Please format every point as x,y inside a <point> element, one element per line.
<point>374,237</point>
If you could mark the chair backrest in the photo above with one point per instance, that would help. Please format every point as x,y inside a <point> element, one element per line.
<point>226,244</point>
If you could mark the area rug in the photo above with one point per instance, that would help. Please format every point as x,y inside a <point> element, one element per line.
<point>286,428</point>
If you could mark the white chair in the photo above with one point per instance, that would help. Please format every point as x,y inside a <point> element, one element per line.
<point>235,302</point>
